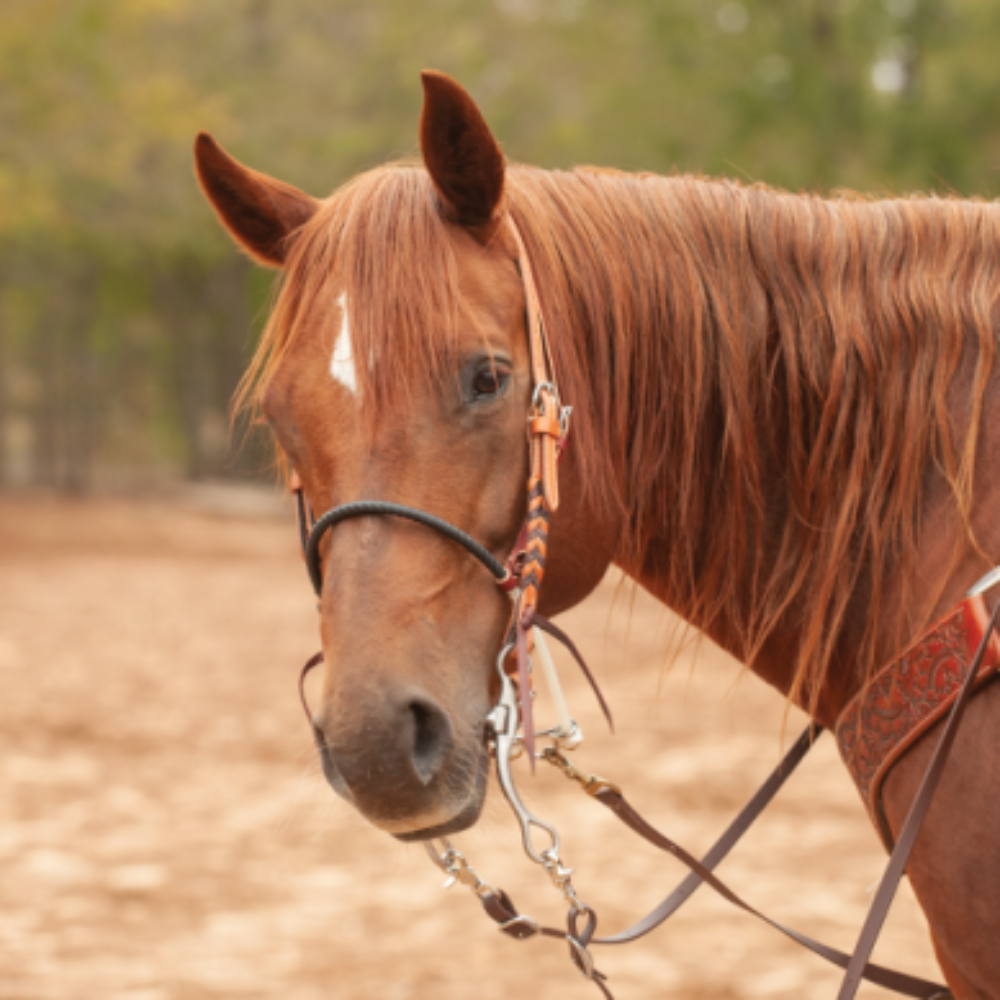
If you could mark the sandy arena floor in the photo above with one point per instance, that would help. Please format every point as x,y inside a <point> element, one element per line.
<point>165,833</point>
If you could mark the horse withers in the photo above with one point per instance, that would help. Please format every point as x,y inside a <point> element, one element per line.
<point>784,428</point>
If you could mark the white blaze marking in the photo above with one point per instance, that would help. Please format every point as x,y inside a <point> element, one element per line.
<point>342,362</point>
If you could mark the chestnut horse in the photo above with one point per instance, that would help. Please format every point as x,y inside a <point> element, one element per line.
<point>784,413</point>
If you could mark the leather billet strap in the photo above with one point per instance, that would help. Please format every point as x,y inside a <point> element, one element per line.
<point>908,696</point>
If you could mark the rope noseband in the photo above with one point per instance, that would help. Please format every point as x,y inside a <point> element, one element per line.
<point>375,508</point>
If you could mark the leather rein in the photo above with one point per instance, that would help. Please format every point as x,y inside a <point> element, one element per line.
<point>511,726</point>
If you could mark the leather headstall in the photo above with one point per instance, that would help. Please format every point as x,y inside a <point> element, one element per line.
<point>548,428</point>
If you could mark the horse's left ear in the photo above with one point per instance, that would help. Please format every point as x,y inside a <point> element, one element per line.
<point>460,153</point>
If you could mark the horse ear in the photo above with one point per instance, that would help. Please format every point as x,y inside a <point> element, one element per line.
<point>259,212</point>
<point>460,153</point>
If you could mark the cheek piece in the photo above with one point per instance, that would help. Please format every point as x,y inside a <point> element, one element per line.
<point>510,723</point>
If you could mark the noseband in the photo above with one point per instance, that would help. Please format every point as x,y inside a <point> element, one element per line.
<point>512,732</point>
<point>377,508</point>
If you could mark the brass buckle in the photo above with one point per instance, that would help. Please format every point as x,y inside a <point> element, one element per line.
<point>592,784</point>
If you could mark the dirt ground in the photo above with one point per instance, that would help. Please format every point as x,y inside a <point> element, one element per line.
<point>165,832</point>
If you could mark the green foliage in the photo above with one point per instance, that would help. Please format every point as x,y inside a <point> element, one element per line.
<point>104,233</point>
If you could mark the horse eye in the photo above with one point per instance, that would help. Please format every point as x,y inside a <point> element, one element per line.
<point>488,382</point>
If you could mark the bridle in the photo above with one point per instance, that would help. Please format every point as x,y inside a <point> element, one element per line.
<point>511,726</point>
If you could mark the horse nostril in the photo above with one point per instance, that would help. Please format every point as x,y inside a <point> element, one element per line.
<point>432,739</point>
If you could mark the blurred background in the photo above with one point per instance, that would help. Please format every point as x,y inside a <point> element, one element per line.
<point>165,833</point>
<point>126,317</point>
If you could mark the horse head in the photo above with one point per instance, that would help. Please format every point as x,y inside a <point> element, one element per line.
<point>396,368</point>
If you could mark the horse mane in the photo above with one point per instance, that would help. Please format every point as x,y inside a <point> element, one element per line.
<point>726,348</point>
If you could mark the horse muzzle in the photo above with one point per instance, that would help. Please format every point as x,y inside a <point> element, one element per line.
<point>396,758</point>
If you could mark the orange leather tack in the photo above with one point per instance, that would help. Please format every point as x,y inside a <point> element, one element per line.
<point>550,471</point>
<point>545,424</point>
<point>545,433</point>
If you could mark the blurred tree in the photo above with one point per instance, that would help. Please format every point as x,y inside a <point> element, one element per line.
<point>126,317</point>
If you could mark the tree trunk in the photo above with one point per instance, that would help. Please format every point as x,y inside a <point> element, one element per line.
<point>5,361</point>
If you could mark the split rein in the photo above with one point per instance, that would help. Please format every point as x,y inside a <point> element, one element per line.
<point>511,728</point>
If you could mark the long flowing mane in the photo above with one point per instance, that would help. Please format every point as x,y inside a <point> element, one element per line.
<point>720,343</point>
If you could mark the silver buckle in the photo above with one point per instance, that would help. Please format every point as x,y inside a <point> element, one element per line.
<point>549,387</point>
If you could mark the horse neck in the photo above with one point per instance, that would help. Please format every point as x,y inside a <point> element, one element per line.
<point>754,493</point>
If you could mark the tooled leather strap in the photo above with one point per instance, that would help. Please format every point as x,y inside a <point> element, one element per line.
<point>908,696</point>
<point>914,820</point>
